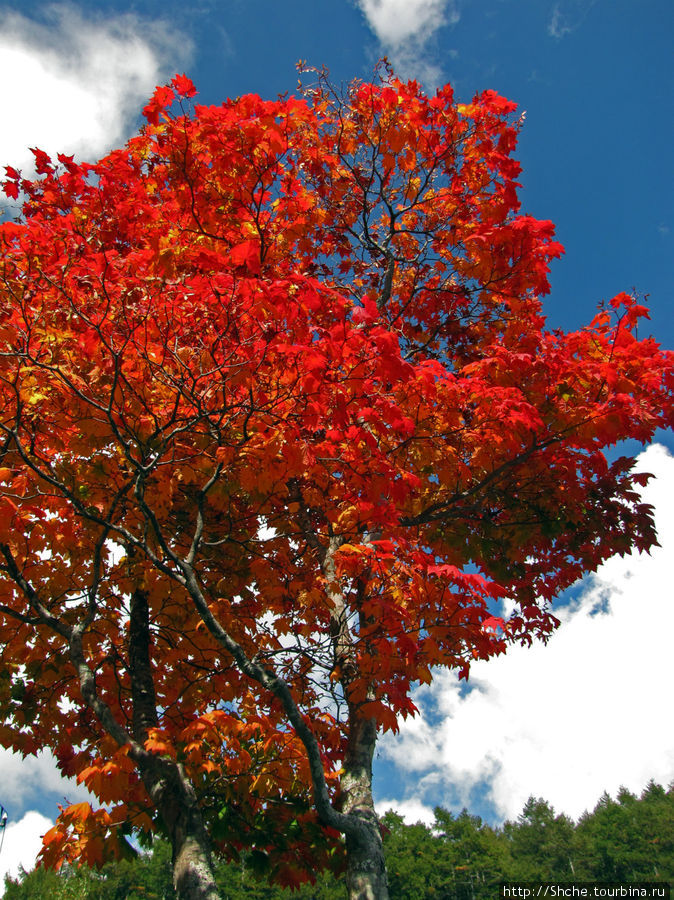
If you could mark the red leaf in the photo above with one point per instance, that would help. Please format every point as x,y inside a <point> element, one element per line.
<point>247,255</point>
<point>11,189</point>
<point>42,161</point>
<point>493,625</point>
<point>162,98</point>
<point>183,85</point>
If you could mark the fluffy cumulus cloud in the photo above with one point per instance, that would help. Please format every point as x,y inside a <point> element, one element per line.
<point>22,842</point>
<point>74,83</point>
<point>411,809</point>
<point>29,788</point>
<point>404,28</point>
<point>25,781</point>
<point>585,714</point>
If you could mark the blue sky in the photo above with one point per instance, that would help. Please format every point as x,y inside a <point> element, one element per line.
<point>595,80</point>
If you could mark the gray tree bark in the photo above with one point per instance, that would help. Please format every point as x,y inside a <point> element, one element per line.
<point>366,877</point>
<point>174,797</point>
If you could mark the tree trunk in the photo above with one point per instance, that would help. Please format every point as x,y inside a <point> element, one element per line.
<point>164,778</point>
<point>193,877</point>
<point>174,798</point>
<point>366,877</point>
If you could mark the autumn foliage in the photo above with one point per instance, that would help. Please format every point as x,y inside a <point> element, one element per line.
<point>281,424</point>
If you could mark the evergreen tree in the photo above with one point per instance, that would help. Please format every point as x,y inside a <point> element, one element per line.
<point>478,852</point>
<point>630,838</point>
<point>542,845</point>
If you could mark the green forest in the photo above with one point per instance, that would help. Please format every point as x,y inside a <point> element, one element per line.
<point>459,857</point>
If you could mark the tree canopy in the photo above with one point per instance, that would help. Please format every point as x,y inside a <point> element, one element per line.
<point>281,424</point>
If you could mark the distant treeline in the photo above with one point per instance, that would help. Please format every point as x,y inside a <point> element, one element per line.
<point>458,858</point>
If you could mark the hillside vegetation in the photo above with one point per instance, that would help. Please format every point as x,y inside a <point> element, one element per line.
<point>460,857</point>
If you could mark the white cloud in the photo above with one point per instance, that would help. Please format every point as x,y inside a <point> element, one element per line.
<point>397,21</point>
<point>22,843</point>
<point>567,15</point>
<point>25,784</point>
<point>76,85</point>
<point>25,780</point>
<point>403,28</point>
<point>412,810</point>
<point>589,712</point>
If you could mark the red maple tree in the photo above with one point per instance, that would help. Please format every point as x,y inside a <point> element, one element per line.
<point>281,424</point>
